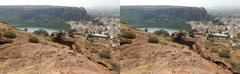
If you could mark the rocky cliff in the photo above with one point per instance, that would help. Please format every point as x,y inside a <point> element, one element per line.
<point>43,12</point>
<point>164,12</point>
<point>174,17</point>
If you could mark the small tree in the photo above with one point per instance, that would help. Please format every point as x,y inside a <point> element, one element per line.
<point>25,29</point>
<point>146,30</point>
<point>161,32</point>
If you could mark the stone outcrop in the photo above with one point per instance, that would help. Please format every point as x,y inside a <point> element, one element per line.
<point>63,39</point>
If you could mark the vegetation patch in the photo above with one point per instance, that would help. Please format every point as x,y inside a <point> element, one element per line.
<point>93,48</point>
<point>224,54</point>
<point>161,32</point>
<point>129,35</point>
<point>105,54</point>
<point>153,39</point>
<point>9,34</point>
<point>41,32</point>
<point>34,40</point>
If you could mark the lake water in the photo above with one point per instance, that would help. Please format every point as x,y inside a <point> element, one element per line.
<point>32,29</point>
<point>151,30</point>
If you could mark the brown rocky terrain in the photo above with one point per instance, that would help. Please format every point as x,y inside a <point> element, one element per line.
<point>137,56</point>
<point>166,57</point>
<point>46,57</point>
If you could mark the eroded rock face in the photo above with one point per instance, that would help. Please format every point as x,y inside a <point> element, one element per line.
<point>198,47</point>
<point>183,39</point>
<point>44,12</point>
<point>63,39</point>
<point>193,43</point>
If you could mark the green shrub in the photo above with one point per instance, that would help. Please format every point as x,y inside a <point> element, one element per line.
<point>9,34</point>
<point>105,54</point>
<point>25,29</point>
<point>129,35</point>
<point>161,32</point>
<point>34,40</point>
<point>153,40</point>
<point>224,54</point>
<point>41,32</point>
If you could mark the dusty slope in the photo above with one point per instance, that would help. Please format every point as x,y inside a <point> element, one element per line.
<point>23,57</point>
<point>142,57</point>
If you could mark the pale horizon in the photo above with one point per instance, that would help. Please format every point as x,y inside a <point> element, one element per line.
<point>70,3</point>
<point>191,3</point>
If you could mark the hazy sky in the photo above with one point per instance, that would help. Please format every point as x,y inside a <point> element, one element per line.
<point>78,3</point>
<point>198,3</point>
<point>94,3</point>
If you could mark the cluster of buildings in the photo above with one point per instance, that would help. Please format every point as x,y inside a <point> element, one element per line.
<point>100,29</point>
<point>221,29</point>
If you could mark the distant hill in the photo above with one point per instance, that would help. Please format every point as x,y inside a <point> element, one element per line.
<point>224,11</point>
<point>110,11</point>
<point>39,15</point>
<point>162,15</point>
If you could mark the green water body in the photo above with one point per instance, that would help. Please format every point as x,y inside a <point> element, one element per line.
<point>152,26</point>
<point>153,29</point>
<point>162,24</point>
<point>49,27</point>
